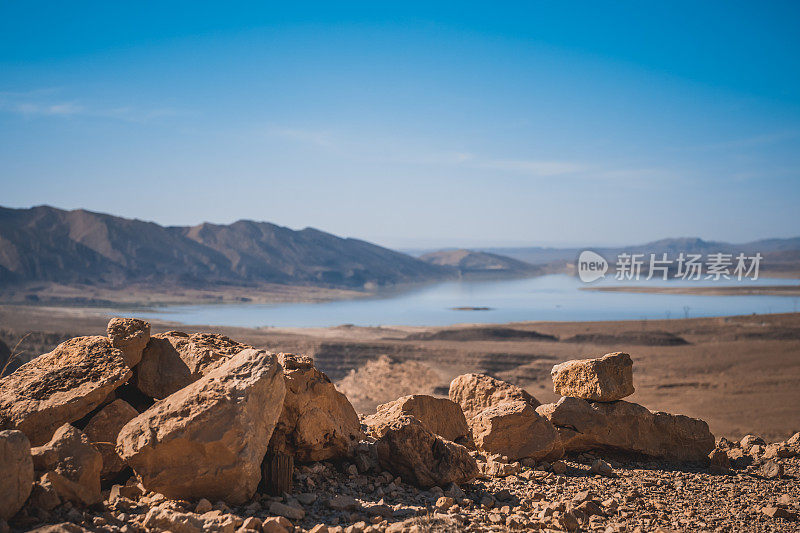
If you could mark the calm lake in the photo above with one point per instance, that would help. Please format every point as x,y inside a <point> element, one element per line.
<point>553,297</point>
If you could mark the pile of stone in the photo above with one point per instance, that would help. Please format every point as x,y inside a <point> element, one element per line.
<point>202,418</point>
<point>193,416</point>
<point>592,415</point>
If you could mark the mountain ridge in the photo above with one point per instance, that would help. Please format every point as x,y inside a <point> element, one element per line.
<point>44,243</point>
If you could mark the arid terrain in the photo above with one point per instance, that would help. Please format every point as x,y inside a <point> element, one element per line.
<point>131,431</point>
<point>740,374</point>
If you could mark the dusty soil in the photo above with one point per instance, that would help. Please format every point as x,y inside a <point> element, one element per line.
<point>740,374</point>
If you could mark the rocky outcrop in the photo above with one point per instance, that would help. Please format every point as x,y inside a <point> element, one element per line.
<point>317,422</point>
<point>173,360</point>
<point>16,472</point>
<point>476,392</point>
<point>208,439</point>
<point>605,379</point>
<point>628,427</point>
<point>61,386</point>
<point>102,431</point>
<point>406,448</point>
<point>130,335</point>
<point>438,415</point>
<point>517,431</point>
<point>71,465</point>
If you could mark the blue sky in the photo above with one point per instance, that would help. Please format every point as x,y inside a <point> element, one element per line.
<point>411,125</point>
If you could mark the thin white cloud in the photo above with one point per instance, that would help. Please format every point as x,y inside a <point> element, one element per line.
<point>35,108</point>
<point>44,103</point>
<point>394,152</point>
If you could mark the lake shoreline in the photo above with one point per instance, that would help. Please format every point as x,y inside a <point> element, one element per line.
<point>765,290</point>
<point>550,297</point>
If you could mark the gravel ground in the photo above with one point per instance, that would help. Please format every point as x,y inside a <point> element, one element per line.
<point>635,494</point>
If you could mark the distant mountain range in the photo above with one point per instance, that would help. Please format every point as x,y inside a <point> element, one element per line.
<point>779,255</point>
<point>787,248</point>
<point>46,244</point>
<point>81,247</point>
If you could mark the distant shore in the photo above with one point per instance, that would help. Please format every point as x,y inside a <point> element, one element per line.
<point>144,295</point>
<point>764,290</point>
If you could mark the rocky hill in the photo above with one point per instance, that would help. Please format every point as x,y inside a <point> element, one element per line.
<point>472,263</point>
<point>81,247</point>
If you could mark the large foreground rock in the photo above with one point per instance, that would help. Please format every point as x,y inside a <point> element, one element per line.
<point>476,392</point>
<point>60,387</point>
<point>130,335</point>
<point>16,472</point>
<point>102,431</point>
<point>439,415</point>
<point>173,360</point>
<point>628,427</point>
<point>71,464</point>
<point>516,430</point>
<point>605,379</point>
<point>208,439</point>
<point>406,448</point>
<point>317,422</point>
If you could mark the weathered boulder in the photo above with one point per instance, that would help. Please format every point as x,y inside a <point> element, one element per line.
<point>208,439</point>
<point>439,415</point>
<point>317,422</point>
<point>71,464</point>
<point>748,441</point>
<point>499,469</point>
<point>406,448</point>
<point>604,379</point>
<point>162,519</point>
<point>130,335</point>
<point>60,387</point>
<point>517,431</point>
<point>43,495</point>
<point>63,527</point>
<point>719,461</point>
<point>102,431</point>
<point>628,427</point>
<point>16,472</point>
<point>476,392</point>
<point>779,450</point>
<point>173,360</point>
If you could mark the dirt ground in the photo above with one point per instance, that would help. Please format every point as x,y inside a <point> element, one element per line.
<point>740,374</point>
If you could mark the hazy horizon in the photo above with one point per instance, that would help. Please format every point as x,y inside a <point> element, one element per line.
<point>411,126</point>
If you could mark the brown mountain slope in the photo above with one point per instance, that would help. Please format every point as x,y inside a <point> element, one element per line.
<point>81,247</point>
